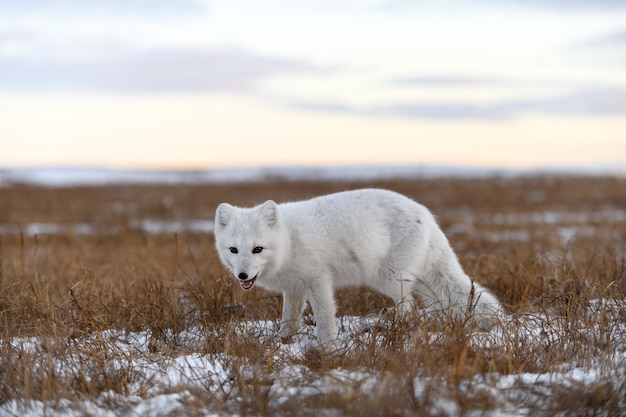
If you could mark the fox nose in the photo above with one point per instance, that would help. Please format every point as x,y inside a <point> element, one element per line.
<point>242,276</point>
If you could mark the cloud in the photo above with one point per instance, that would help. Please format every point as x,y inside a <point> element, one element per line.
<point>589,102</point>
<point>611,39</point>
<point>111,7</point>
<point>564,5</point>
<point>107,67</point>
<point>452,5</point>
<point>443,81</point>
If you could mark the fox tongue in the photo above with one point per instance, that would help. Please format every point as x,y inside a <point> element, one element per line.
<point>246,285</point>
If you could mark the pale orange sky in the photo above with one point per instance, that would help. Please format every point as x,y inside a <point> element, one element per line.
<point>196,131</point>
<point>191,84</point>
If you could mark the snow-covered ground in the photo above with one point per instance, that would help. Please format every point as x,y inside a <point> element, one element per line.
<point>76,176</point>
<point>152,226</point>
<point>58,177</point>
<point>563,225</point>
<point>160,384</point>
<point>171,374</point>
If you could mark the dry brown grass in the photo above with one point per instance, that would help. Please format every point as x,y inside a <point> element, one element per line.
<point>548,247</point>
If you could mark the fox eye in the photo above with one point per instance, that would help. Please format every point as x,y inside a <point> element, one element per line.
<point>257,249</point>
<point>233,249</point>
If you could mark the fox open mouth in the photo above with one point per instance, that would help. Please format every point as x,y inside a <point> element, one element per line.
<point>247,284</point>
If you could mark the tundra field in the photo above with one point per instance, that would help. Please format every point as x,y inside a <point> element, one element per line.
<point>113,302</point>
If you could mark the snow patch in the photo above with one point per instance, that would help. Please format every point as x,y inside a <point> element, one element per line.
<point>98,176</point>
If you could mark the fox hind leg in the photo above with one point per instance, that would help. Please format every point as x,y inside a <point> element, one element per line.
<point>400,290</point>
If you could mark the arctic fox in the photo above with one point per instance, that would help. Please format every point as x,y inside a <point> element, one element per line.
<point>372,237</point>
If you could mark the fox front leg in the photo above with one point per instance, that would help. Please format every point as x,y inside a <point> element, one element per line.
<point>324,309</point>
<point>293,304</point>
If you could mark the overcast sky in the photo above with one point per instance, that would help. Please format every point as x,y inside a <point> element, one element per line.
<point>157,83</point>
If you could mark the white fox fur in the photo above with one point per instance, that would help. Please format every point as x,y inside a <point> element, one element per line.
<point>372,237</point>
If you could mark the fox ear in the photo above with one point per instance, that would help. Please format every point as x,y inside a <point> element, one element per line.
<point>223,214</point>
<point>269,213</point>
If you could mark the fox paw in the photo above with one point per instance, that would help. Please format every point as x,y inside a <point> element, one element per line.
<point>286,334</point>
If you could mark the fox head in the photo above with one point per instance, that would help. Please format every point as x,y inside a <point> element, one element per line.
<point>250,241</point>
